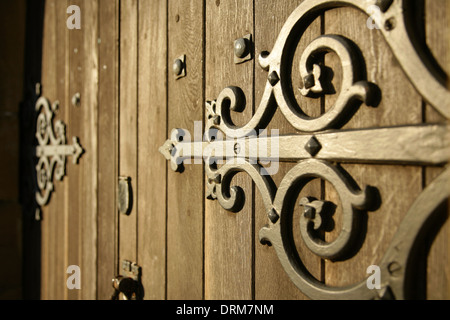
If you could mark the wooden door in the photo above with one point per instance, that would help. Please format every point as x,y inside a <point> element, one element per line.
<point>132,92</point>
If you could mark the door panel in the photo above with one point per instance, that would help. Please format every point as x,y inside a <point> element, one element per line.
<point>438,264</point>
<point>87,84</point>
<point>152,188</point>
<point>229,241</point>
<point>190,247</point>
<point>69,222</point>
<point>55,215</point>
<point>398,187</point>
<point>185,221</point>
<point>128,126</point>
<point>267,264</point>
<point>108,104</point>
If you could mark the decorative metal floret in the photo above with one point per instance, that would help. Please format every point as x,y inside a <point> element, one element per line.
<point>313,146</point>
<point>321,144</point>
<point>52,150</point>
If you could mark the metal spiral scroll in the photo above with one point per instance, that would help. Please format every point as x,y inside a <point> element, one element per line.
<point>52,149</point>
<point>315,149</point>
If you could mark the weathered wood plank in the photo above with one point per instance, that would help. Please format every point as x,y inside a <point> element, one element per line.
<point>437,27</point>
<point>59,202</point>
<point>189,247</point>
<point>152,130</point>
<point>51,214</point>
<point>229,237</point>
<point>89,138</point>
<point>73,226</point>
<point>436,38</point>
<point>185,191</point>
<point>269,19</point>
<point>128,124</point>
<point>398,185</point>
<point>82,195</point>
<point>108,117</point>
<point>47,46</point>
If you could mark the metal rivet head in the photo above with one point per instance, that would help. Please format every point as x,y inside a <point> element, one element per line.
<point>37,89</point>
<point>217,179</point>
<point>177,67</point>
<point>309,81</point>
<point>389,24</point>
<point>309,212</point>
<point>313,146</point>
<point>273,78</point>
<point>237,148</point>
<point>241,47</point>
<point>38,214</point>
<point>265,242</point>
<point>264,54</point>
<point>216,120</point>
<point>273,216</point>
<point>76,99</point>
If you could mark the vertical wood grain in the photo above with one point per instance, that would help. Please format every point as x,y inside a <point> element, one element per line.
<point>89,105</point>
<point>271,281</point>
<point>229,236</point>
<point>152,133</point>
<point>437,27</point>
<point>128,124</point>
<point>69,226</point>
<point>398,185</point>
<point>185,191</point>
<point>108,95</point>
<point>54,83</point>
<point>48,49</point>
<point>60,204</point>
<point>74,127</point>
<point>81,223</point>
<point>189,247</point>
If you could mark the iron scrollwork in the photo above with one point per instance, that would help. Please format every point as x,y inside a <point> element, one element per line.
<point>52,150</point>
<point>322,144</point>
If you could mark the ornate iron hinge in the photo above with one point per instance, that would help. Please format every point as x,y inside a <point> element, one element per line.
<point>321,145</point>
<point>52,150</point>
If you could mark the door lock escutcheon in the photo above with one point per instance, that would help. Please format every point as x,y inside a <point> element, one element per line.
<point>129,283</point>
